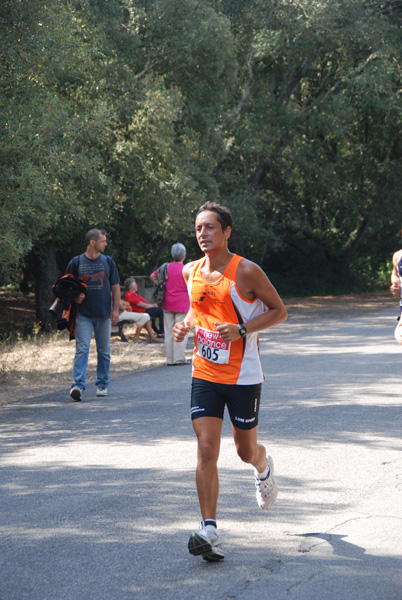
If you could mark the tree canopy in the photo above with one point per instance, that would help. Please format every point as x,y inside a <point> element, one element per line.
<point>127,115</point>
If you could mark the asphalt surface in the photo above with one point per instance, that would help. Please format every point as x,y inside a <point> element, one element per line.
<point>98,498</point>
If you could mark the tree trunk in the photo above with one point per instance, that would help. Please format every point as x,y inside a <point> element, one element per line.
<point>28,270</point>
<point>46,274</point>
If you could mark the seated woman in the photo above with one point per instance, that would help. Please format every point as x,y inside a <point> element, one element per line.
<point>140,305</point>
<point>142,320</point>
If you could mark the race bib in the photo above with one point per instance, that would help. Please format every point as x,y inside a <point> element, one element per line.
<point>211,346</point>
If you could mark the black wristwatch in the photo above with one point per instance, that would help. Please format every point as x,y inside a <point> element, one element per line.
<point>242,331</point>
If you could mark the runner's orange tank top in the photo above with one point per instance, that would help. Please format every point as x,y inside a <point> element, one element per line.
<point>214,359</point>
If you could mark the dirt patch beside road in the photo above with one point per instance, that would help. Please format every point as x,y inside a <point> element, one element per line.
<point>348,302</point>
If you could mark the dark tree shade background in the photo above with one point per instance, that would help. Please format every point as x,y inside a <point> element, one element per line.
<point>127,115</point>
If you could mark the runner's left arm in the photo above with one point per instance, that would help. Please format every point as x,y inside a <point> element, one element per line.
<point>253,283</point>
<point>181,329</point>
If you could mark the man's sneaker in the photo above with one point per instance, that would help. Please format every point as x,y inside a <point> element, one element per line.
<point>76,393</point>
<point>206,543</point>
<point>101,390</point>
<point>266,489</point>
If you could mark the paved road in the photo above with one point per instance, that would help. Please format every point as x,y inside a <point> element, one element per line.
<point>98,498</point>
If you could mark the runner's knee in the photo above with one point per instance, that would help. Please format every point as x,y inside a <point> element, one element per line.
<point>246,454</point>
<point>207,451</point>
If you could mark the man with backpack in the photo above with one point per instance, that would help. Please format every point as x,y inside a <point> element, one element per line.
<point>98,311</point>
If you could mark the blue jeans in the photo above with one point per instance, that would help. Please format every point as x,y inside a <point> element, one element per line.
<point>83,334</point>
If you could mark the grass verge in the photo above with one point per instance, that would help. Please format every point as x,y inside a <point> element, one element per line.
<point>43,363</point>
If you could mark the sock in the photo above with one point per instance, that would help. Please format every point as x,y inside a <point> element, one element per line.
<point>208,523</point>
<point>263,475</point>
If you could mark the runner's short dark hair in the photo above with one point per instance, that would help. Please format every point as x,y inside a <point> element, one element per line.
<point>223,213</point>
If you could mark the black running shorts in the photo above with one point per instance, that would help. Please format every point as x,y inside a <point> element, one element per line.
<point>208,399</point>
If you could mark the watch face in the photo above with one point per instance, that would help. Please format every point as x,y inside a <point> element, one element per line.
<point>242,330</point>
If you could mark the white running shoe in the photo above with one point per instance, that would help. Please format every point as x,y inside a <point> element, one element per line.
<point>206,543</point>
<point>266,489</point>
<point>76,393</point>
<point>101,390</point>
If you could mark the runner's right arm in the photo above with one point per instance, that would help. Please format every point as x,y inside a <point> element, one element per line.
<point>181,329</point>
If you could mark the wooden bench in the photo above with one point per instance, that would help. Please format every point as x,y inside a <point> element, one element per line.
<point>120,326</point>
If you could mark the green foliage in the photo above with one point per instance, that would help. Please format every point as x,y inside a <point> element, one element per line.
<point>54,137</point>
<point>128,115</point>
<point>10,332</point>
<point>317,136</point>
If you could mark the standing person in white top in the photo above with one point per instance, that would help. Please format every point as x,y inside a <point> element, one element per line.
<point>175,306</point>
<point>396,279</point>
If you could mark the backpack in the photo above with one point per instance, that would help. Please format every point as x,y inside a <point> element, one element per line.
<point>158,295</point>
